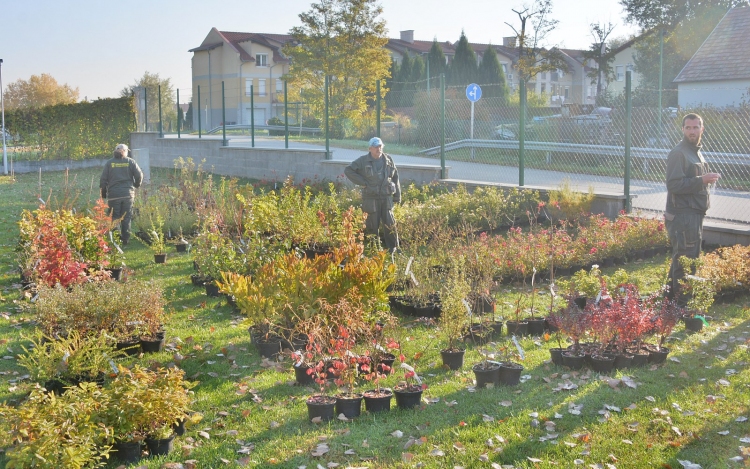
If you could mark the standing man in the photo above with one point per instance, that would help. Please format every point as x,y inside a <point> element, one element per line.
<point>378,176</point>
<point>688,182</point>
<point>120,177</point>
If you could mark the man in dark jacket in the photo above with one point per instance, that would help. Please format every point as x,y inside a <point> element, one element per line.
<point>688,182</point>
<point>378,176</point>
<point>120,177</point>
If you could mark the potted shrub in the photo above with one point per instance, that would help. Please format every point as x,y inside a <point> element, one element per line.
<point>454,317</point>
<point>517,327</point>
<point>699,292</point>
<point>510,370</point>
<point>666,317</point>
<point>59,363</point>
<point>181,244</point>
<point>170,399</point>
<point>409,391</point>
<point>535,325</point>
<point>320,406</point>
<point>345,369</point>
<point>158,244</point>
<point>375,370</point>
<point>79,438</point>
<point>486,372</point>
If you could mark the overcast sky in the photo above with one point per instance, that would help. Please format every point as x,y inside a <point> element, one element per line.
<point>101,46</point>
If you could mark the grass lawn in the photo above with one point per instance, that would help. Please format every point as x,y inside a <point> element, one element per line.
<point>692,408</point>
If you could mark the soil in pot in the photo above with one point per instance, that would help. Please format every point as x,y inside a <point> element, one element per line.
<point>497,329</point>
<point>486,373</point>
<point>517,328</point>
<point>153,344</point>
<point>378,401</point>
<point>640,358</point>
<point>657,356</point>
<point>479,334</point>
<point>408,397</point>
<point>510,373</point>
<point>128,451</point>
<point>573,360</point>
<point>160,258</point>
<point>349,404</point>
<point>535,327</point>
<point>453,359</point>
<point>322,407</point>
<point>602,362</point>
<point>160,447</point>
<point>212,289</point>
<point>556,355</point>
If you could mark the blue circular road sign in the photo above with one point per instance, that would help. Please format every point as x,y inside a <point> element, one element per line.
<point>473,92</point>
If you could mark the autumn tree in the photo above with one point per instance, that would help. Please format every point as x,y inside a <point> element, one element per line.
<point>491,76</point>
<point>463,69</point>
<point>536,24</point>
<point>344,40</point>
<point>151,83</point>
<point>600,52</point>
<point>38,91</point>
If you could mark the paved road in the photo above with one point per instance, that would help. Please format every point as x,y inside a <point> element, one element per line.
<point>730,205</point>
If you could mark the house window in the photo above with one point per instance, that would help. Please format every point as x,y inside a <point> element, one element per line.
<point>261,87</point>
<point>248,86</point>
<point>544,88</point>
<point>619,73</point>
<point>279,86</point>
<point>560,73</point>
<point>567,92</point>
<point>261,60</point>
<point>554,76</point>
<point>544,75</point>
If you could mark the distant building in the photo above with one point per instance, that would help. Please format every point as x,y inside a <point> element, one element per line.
<point>718,74</point>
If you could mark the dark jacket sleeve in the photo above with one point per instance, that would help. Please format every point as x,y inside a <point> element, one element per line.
<point>353,173</point>
<point>137,174</point>
<point>677,181</point>
<point>395,179</point>
<point>104,180</point>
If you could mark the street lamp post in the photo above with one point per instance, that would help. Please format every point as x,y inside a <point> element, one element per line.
<point>2,104</point>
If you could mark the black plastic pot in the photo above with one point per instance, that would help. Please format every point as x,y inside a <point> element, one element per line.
<point>453,359</point>
<point>55,386</point>
<point>623,360</point>
<point>115,274</point>
<point>556,355</point>
<point>321,406</point>
<point>349,405</point>
<point>535,327</point>
<point>160,258</point>
<point>181,247</point>
<point>639,359</point>
<point>510,373</point>
<point>692,324</point>
<point>212,289</point>
<point>301,375</point>
<point>375,402</point>
<point>160,447</point>
<point>179,427</point>
<point>154,345</point>
<point>608,262</point>
<point>479,333</point>
<point>387,360</point>
<point>128,451</point>
<point>658,356</point>
<point>497,328</point>
<point>131,348</point>
<point>269,348</point>
<point>517,328</point>
<point>197,280</point>
<point>573,361</point>
<point>486,375</point>
<point>408,398</point>
<point>603,363</point>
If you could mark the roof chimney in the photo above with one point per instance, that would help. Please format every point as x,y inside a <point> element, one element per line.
<point>408,36</point>
<point>509,41</point>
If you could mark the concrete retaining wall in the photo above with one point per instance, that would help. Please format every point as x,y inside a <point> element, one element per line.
<point>55,165</point>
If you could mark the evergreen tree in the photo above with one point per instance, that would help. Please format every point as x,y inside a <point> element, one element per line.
<point>436,59</point>
<point>491,77</point>
<point>189,117</point>
<point>393,86</point>
<point>417,71</point>
<point>463,69</point>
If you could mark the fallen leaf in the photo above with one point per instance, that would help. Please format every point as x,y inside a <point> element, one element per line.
<point>533,459</point>
<point>437,452</point>
<point>506,403</point>
<point>397,434</point>
<point>205,435</point>
<point>689,465</point>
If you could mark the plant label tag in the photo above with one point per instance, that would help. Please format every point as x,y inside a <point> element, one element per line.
<point>518,347</point>
<point>468,307</point>
<point>111,238</point>
<point>552,290</point>
<point>111,364</point>
<point>408,265</point>
<point>239,248</point>
<point>65,358</point>
<point>118,248</point>
<point>414,279</point>
<point>598,297</point>
<point>410,368</point>
<point>533,275</point>
<point>134,323</point>
<point>379,347</point>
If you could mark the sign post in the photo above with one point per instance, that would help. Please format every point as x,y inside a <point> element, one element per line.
<point>473,93</point>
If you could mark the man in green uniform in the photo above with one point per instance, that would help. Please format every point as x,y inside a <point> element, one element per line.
<point>378,176</point>
<point>120,177</point>
<point>687,199</point>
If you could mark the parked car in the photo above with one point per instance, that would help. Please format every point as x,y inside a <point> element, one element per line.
<point>502,132</point>
<point>600,115</point>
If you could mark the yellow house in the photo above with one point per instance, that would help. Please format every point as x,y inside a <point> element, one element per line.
<point>239,60</point>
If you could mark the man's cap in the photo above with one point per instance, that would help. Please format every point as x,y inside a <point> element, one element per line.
<point>376,142</point>
<point>121,146</point>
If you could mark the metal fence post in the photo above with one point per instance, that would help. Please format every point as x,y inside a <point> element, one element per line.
<point>252,116</point>
<point>521,129</point>
<point>161,126</point>
<point>286,119</point>
<point>145,109</point>
<point>377,108</point>
<point>178,113</point>
<point>199,111</point>
<point>328,149</point>
<point>442,126</point>
<point>628,137</point>
<point>223,118</point>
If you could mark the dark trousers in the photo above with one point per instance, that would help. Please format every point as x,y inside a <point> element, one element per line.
<point>685,234</point>
<point>121,209</point>
<point>381,211</point>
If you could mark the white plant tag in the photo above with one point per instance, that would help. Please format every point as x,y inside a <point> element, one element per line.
<point>379,347</point>
<point>111,364</point>
<point>468,307</point>
<point>414,279</point>
<point>521,353</point>
<point>65,358</point>
<point>408,265</point>
<point>409,368</point>
<point>533,276</point>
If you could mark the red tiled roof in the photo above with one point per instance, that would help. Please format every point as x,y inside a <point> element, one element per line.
<point>725,54</point>
<point>419,47</point>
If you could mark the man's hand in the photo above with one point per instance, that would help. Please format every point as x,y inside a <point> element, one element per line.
<point>710,178</point>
